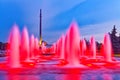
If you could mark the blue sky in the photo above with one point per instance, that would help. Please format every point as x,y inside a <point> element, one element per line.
<point>94,17</point>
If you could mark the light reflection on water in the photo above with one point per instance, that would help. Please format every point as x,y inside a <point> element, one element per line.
<point>100,74</point>
<point>22,77</point>
<point>47,73</point>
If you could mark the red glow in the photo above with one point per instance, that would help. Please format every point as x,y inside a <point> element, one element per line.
<point>28,64</point>
<point>37,61</point>
<point>62,62</point>
<point>13,76</point>
<point>75,53</point>
<point>31,64</point>
<point>89,65</point>
<point>109,64</point>
<point>3,66</point>
<point>73,74</point>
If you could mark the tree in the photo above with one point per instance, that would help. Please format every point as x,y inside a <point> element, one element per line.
<point>114,31</point>
<point>1,45</point>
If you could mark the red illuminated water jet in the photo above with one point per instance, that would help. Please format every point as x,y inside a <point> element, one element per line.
<point>25,49</point>
<point>14,55</point>
<point>83,48</point>
<point>32,43</point>
<point>93,47</point>
<point>107,48</point>
<point>69,50</point>
<point>72,50</point>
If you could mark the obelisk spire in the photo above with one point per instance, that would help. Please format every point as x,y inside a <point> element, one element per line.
<point>40,27</point>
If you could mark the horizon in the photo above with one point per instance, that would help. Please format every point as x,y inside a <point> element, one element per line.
<point>57,17</point>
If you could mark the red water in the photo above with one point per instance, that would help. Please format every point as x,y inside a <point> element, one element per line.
<point>32,43</point>
<point>24,47</point>
<point>14,55</point>
<point>107,48</point>
<point>70,48</point>
<point>93,47</point>
<point>62,55</point>
<point>72,41</point>
<point>83,48</point>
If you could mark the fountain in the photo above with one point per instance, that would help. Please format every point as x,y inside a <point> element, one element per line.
<point>107,48</point>
<point>70,51</point>
<point>32,46</point>
<point>72,47</point>
<point>25,50</point>
<point>70,55</point>
<point>62,55</point>
<point>14,55</point>
<point>83,48</point>
<point>57,54</point>
<point>53,48</point>
<point>93,47</point>
<point>66,44</point>
<point>70,58</point>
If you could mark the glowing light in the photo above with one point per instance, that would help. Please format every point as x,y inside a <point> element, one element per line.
<point>31,64</point>
<point>89,64</point>
<point>40,42</point>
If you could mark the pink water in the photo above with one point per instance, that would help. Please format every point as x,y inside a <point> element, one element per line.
<point>14,55</point>
<point>83,48</point>
<point>25,49</point>
<point>93,47</point>
<point>32,43</point>
<point>107,48</point>
<point>73,49</point>
<point>69,48</point>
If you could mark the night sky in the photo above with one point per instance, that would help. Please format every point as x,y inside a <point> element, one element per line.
<point>94,17</point>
